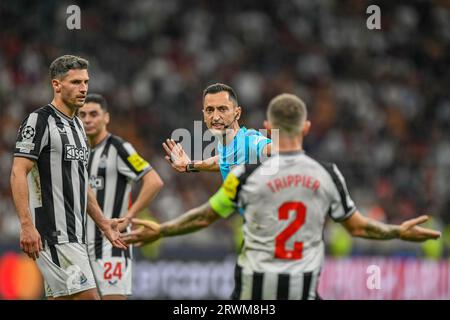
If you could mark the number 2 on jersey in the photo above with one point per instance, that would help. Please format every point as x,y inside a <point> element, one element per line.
<point>283,237</point>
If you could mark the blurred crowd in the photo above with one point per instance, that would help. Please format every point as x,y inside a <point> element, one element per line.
<point>378,100</point>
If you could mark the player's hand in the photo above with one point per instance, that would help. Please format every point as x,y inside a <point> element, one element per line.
<point>175,155</point>
<point>30,240</point>
<point>148,231</point>
<point>111,230</point>
<point>410,231</point>
<point>124,225</point>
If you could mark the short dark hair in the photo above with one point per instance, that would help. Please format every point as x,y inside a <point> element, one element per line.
<point>287,112</point>
<point>97,98</point>
<point>60,66</point>
<point>219,87</point>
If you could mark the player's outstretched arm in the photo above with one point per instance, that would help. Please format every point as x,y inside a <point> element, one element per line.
<point>179,160</point>
<point>191,221</point>
<point>110,227</point>
<point>30,239</point>
<point>361,226</point>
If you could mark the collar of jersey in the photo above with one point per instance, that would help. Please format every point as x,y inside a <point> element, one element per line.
<point>61,114</point>
<point>240,132</point>
<point>102,142</point>
<point>291,153</point>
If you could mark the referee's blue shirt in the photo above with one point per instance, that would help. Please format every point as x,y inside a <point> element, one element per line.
<point>246,147</point>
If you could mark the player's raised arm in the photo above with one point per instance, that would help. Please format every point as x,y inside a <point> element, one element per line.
<point>108,226</point>
<point>361,226</point>
<point>30,239</point>
<point>179,160</point>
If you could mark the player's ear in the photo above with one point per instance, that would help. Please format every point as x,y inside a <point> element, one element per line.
<point>56,85</point>
<point>306,127</point>
<point>107,118</point>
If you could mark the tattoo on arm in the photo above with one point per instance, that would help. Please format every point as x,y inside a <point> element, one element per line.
<point>378,230</point>
<point>191,221</point>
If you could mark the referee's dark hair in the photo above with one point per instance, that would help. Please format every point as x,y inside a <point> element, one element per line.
<point>97,98</point>
<point>60,66</point>
<point>219,87</point>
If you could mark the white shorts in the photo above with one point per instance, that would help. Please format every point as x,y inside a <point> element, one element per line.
<point>113,275</point>
<point>66,269</point>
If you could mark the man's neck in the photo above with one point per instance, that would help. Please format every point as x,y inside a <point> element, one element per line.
<point>288,144</point>
<point>99,138</point>
<point>230,134</point>
<point>64,108</point>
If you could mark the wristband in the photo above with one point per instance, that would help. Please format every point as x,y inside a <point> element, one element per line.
<point>190,167</point>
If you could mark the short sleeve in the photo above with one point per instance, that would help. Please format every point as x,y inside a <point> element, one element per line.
<point>342,205</point>
<point>256,144</point>
<point>130,163</point>
<point>32,137</point>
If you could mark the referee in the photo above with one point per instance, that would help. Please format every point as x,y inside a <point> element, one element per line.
<point>237,145</point>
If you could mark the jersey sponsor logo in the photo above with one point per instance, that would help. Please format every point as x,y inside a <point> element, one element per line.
<point>137,162</point>
<point>97,183</point>
<point>72,153</point>
<point>230,186</point>
<point>28,132</point>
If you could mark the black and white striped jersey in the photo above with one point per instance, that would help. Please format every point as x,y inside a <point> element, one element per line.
<point>58,181</point>
<point>285,202</point>
<point>113,165</point>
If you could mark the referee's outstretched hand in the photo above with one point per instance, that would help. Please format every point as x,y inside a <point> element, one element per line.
<point>175,155</point>
<point>111,231</point>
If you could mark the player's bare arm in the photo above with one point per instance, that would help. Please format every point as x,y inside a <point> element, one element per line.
<point>110,227</point>
<point>179,160</point>
<point>30,239</point>
<point>151,185</point>
<point>191,221</point>
<point>267,150</point>
<point>361,226</point>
